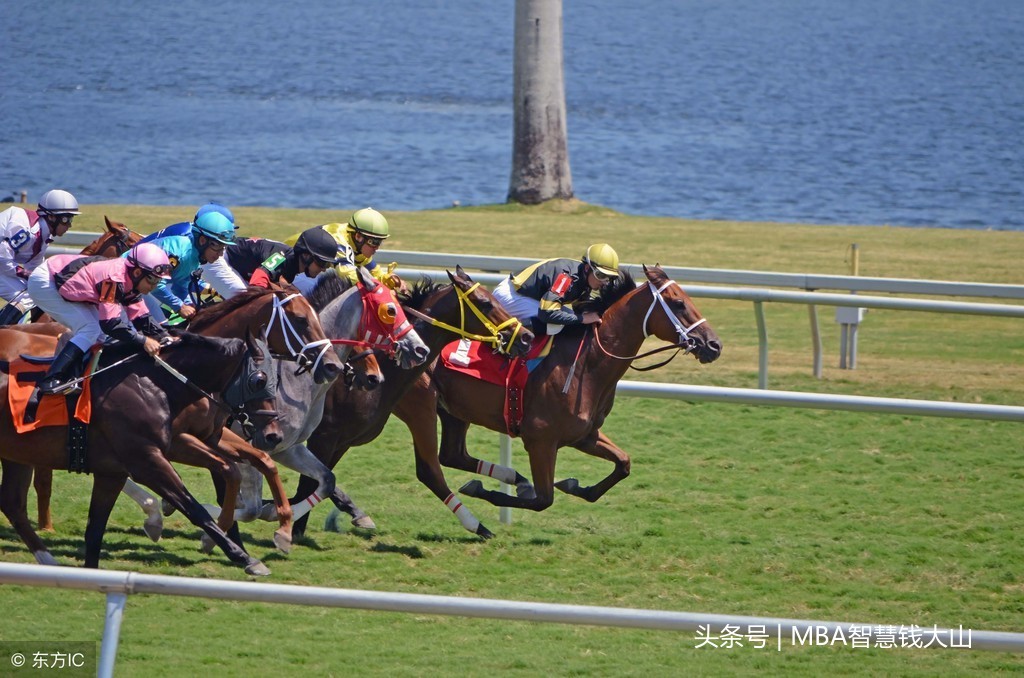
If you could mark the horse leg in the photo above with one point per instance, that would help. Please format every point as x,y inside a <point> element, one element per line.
<point>542,466</point>
<point>187,449</point>
<point>154,523</point>
<point>343,504</point>
<point>422,423</point>
<point>233,444</point>
<point>457,456</point>
<point>598,446</point>
<point>14,504</point>
<point>104,494</point>
<point>42,481</point>
<point>299,458</point>
<point>324,446</point>
<point>158,475</point>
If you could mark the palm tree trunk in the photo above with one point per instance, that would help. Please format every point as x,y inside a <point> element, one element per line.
<point>540,147</point>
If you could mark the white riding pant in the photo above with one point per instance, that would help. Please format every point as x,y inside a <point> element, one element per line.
<point>523,308</point>
<point>81,318</point>
<point>11,286</point>
<point>221,277</point>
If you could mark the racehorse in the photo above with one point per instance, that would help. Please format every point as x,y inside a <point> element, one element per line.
<point>294,333</point>
<point>570,393</point>
<point>462,308</point>
<point>140,408</point>
<point>344,315</point>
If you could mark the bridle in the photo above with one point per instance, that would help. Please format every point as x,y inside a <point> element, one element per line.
<point>494,338</point>
<point>293,341</point>
<point>686,343</point>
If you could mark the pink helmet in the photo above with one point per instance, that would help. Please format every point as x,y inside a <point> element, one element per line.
<point>150,258</point>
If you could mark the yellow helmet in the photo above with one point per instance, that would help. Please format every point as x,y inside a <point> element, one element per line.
<point>369,221</point>
<point>603,258</point>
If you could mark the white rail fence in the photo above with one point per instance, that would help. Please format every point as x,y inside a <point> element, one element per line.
<point>118,585</point>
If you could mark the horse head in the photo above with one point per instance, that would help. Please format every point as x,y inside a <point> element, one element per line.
<point>488,318</point>
<point>252,395</point>
<point>679,321</point>
<point>116,241</point>
<point>385,324</point>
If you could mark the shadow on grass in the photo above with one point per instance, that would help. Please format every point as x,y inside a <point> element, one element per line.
<point>413,552</point>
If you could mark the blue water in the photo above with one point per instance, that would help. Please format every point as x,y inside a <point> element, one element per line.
<point>826,111</point>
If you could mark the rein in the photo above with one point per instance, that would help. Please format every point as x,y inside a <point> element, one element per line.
<point>495,330</point>
<point>685,343</point>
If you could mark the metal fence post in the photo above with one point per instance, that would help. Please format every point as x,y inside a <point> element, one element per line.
<point>111,633</point>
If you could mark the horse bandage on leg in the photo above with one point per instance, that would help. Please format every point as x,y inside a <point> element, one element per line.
<point>500,473</point>
<point>464,515</point>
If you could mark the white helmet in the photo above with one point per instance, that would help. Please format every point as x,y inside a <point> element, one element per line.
<point>57,201</point>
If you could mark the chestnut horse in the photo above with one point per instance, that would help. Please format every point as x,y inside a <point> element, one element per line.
<point>570,393</point>
<point>351,417</point>
<point>140,412</point>
<point>116,241</point>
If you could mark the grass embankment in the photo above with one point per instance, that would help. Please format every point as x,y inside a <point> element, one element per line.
<point>738,510</point>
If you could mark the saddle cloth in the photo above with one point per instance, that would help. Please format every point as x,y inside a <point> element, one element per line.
<point>52,409</point>
<point>475,359</point>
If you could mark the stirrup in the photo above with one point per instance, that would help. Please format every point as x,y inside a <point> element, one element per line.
<point>66,388</point>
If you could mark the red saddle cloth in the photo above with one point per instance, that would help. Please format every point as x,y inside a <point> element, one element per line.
<point>53,410</point>
<point>478,360</point>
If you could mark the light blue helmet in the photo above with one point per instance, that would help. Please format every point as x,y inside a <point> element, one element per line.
<point>215,207</point>
<point>216,226</point>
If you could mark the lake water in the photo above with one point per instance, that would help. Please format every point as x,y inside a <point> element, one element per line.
<point>825,111</point>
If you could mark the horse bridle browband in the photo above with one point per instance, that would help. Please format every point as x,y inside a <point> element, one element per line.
<point>495,330</point>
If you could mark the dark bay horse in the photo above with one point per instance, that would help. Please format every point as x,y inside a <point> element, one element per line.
<point>569,395</point>
<point>462,308</point>
<point>139,410</point>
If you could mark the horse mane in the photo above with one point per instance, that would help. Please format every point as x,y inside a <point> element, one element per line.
<point>329,286</point>
<point>211,314</point>
<point>610,293</point>
<point>418,293</point>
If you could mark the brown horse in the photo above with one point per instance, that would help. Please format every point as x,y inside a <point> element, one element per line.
<point>571,392</point>
<point>116,241</point>
<point>354,417</point>
<point>139,411</point>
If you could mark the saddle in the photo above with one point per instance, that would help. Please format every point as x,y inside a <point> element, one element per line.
<point>73,411</point>
<point>479,361</point>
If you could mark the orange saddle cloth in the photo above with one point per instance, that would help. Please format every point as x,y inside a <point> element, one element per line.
<point>52,410</point>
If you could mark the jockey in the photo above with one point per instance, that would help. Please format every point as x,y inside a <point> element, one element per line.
<point>314,251</point>
<point>189,254</point>
<point>25,234</point>
<point>544,295</point>
<point>97,296</point>
<point>358,241</point>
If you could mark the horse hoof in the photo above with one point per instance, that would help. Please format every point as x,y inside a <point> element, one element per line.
<point>257,569</point>
<point>364,522</point>
<point>524,490</point>
<point>167,507</point>
<point>569,486</point>
<point>283,541</point>
<point>154,527</point>
<point>45,558</point>
<point>483,532</point>
<point>472,489</point>
<point>206,544</point>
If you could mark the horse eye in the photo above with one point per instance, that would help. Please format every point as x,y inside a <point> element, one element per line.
<point>259,380</point>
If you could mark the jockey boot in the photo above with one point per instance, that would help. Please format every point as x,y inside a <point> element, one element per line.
<point>63,369</point>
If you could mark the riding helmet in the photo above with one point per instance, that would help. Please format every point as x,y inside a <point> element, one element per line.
<point>150,258</point>
<point>215,207</point>
<point>319,243</point>
<point>216,226</point>
<point>57,201</point>
<point>369,221</point>
<point>602,257</point>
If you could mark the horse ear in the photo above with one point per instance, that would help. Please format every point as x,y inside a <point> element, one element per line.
<point>369,282</point>
<point>110,224</point>
<point>254,345</point>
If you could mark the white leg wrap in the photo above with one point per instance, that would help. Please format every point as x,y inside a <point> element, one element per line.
<point>464,515</point>
<point>497,471</point>
<point>305,506</point>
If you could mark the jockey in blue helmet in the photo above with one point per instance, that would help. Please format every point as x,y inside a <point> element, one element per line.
<point>211,232</point>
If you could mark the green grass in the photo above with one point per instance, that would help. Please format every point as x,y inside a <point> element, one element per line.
<point>729,509</point>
